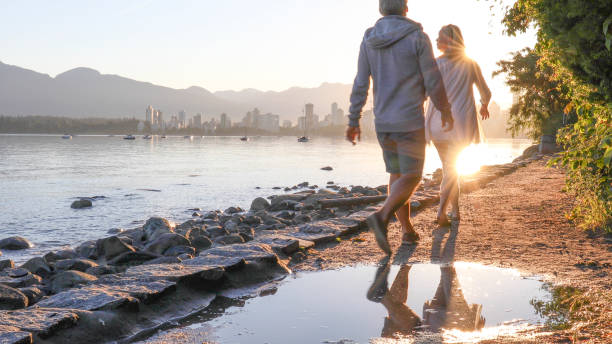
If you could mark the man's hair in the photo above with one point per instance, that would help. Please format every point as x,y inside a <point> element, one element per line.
<point>392,7</point>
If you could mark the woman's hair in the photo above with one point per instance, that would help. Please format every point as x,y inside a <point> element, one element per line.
<point>456,45</point>
<point>392,7</point>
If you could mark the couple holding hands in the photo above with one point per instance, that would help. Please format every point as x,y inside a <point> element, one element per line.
<point>398,57</point>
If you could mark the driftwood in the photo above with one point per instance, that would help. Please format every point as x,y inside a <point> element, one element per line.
<point>347,202</point>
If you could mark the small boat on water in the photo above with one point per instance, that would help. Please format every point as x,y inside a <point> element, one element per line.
<point>67,136</point>
<point>244,138</point>
<point>129,137</point>
<point>147,137</point>
<point>163,136</point>
<point>188,137</point>
<point>303,139</point>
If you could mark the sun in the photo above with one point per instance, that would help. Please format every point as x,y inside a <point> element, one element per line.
<point>472,159</point>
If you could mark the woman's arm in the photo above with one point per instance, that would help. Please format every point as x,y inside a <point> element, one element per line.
<point>483,89</point>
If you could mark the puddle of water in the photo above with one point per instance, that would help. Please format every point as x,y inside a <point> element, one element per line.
<point>458,302</point>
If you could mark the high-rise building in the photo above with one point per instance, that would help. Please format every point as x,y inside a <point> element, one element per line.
<point>334,108</point>
<point>309,115</point>
<point>268,122</point>
<point>182,117</point>
<point>225,122</point>
<point>149,114</point>
<point>158,118</point>
<point>197,121</point>
<point>287,124</point>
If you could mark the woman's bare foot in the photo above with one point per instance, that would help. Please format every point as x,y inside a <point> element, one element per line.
<point>443,220</point>
<point>455,216</point>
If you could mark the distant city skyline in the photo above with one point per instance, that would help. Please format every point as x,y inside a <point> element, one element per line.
<point>229,45</point>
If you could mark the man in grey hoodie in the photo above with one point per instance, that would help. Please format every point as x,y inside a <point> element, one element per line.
<point>398,56</point>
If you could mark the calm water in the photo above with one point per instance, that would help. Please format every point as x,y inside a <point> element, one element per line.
<point>463,302</point>
<point>40,176</point>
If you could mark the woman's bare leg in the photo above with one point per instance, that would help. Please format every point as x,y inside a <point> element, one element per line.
<point>449,188</point>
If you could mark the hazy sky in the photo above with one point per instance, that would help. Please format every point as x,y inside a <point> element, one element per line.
<point>228,44</point>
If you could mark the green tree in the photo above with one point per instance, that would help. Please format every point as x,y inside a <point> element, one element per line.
<point>575,42</point>
<point>542,100</point>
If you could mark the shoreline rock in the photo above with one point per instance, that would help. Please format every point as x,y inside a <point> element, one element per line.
<point>15,243</point>
<point>81,204</point>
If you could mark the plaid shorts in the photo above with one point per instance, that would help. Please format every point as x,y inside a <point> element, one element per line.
<point>404,153</point>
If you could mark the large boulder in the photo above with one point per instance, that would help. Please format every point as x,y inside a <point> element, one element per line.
<point>14,335</point>
<point>34,294</point>
<point>69,279</point>
<point>11,298</point>
<point>165,241</point>
<point>201,242</point>
<point>133,258</point>
<point>38,266</point>
<point>230,239</point>
<point>21,281</point>
<point>178,250</point>
<point>15,243</point>
<point>111,247</point>
<point>88,249</point>
<point>6,264</point>
<point>259,203</point>
<point>82,203</point>
<point>216,231</point>
<point>102,270</point>
<point>75,264</point>
<point>233,210</point>
<point>155,227</point>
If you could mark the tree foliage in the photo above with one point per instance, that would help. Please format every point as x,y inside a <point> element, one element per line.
<point>541,99</point>
<point>575,48</point>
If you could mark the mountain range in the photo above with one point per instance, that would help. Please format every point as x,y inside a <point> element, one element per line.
<point>84,92</point>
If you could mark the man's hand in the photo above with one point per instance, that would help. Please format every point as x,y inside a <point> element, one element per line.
<point>484,112</point>
<point>447,122</point>
<point>353,133</point>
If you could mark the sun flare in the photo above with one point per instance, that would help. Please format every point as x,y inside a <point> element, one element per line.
<point>472,159</point>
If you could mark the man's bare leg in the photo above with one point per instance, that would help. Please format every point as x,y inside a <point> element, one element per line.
<point>400,193</point>
<point>403,213</point>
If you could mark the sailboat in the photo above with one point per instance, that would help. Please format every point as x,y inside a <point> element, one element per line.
<point>245,137</point>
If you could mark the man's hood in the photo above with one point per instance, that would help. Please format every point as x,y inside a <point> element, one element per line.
<point>389,30</point>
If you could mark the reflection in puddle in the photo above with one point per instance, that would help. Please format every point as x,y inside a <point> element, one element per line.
<point>448,301</point>
<point>395,302</point>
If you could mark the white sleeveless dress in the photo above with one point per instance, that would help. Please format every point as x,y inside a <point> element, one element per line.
<point>460,74</point>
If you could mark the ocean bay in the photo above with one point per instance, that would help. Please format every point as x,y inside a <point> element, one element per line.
<point>41,175</point>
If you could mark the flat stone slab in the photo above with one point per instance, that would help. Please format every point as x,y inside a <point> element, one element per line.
<point>13,335</point>
<point>227,263</point>
<point>137,286</point>
<point>280,243</point>
<point>40,321</point>
<point>250,252</point>
<point>176,272</point>
<point>89,298</point>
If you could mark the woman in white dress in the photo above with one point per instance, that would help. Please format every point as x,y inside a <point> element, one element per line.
<point>460,74</point>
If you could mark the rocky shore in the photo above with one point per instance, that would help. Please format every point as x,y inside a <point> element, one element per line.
<point>136,280</point>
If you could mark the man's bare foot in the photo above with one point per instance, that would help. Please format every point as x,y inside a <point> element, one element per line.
<point>379,228</point>
<point>410,238</point>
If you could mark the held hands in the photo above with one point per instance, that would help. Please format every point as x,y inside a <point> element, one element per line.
<point>484,112</point>
<point>352,134</point>
<point>447,122</point>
